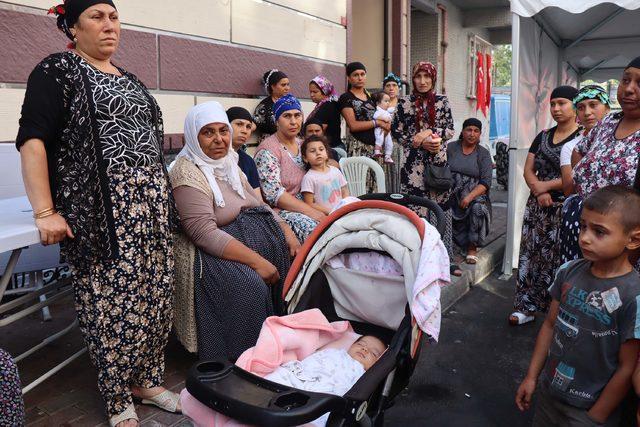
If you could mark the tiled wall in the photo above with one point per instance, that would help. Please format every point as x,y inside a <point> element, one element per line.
<point>188,50</point>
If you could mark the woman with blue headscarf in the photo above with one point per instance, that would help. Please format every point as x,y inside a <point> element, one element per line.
<point>238,245</point>
<point>281,169</point>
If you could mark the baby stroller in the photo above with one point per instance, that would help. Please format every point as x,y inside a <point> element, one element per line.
<point>375,304</point>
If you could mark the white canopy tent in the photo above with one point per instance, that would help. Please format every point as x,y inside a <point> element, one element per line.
<point>558,42</point>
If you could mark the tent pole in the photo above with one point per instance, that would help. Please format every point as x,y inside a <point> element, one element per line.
<point>507,262</point>
<point>595,28</point>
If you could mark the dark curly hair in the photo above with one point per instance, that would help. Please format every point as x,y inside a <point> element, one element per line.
<point>377,97</point>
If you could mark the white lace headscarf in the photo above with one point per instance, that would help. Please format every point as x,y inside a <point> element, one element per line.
<point>226,168</point>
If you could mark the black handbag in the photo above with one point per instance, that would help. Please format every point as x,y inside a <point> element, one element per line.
<point>438,178</point>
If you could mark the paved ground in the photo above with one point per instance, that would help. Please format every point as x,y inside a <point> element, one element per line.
<point>478,355</point>
<point>70,397</point>
<point>470,377</point>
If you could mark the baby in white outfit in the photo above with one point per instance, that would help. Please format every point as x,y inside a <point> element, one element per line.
<point>332,371</point>
<point>383,139</point>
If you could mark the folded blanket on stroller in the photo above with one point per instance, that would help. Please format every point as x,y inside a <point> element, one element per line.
<point>432,274</point>
<point>281,340</point>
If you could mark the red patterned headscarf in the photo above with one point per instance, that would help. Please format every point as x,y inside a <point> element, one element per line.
<point>428,98</point>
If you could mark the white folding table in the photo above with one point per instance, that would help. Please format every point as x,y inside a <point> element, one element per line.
<point>17,232</point>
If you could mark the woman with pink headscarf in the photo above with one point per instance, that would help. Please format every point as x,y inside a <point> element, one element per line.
<point>422,125</point>
<point>326,112</point>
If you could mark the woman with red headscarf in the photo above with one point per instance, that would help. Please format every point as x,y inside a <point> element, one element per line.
<point>422,125</point>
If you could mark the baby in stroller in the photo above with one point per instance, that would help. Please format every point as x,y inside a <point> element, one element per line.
<point>331,370</point>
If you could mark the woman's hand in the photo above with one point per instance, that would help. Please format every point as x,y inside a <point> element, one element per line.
<point>432,144</point>
<point>267,271</point>
<point>420,138</point>
<point>292,242</point>
<point>316,215</point>
<point>384,125</point>
<point>53,229</point>
<point>465,202</point>
<point>538,187</point>
<point>544,200</point>
<point>524,393</point>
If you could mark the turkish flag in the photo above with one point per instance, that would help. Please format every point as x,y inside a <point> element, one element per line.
<point>487,103</point>
<point>481,97</point>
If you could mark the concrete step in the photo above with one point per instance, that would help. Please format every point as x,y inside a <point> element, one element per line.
<point>489,258</point>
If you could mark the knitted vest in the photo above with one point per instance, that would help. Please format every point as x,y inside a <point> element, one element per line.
<point>290,173</point>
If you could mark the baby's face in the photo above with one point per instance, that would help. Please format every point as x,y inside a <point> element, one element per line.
<point>367,350</point>
<point>385,102</point>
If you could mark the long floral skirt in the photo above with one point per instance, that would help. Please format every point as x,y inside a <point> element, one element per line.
<point>539,256</point>
<point>472,227</point>
<point>124,305</point>
<point>447,237</point>
<point>232,300</point>
<point>392,171</point>
<point>11,403</point>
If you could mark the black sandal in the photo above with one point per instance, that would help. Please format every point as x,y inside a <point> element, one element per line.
<point>453,268</point>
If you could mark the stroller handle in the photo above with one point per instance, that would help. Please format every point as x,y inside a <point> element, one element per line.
<point>407,200</point>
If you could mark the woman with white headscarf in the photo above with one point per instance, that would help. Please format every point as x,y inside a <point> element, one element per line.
<point>238,248</point>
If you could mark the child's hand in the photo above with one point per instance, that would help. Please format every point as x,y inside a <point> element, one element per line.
<point>524,393</point>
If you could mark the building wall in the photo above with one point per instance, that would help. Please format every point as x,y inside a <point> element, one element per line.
<point>425,44</point>
<point>209,49</point>
<point>368,38</point>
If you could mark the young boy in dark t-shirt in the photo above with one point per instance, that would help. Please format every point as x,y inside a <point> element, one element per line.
<point>587,348</point>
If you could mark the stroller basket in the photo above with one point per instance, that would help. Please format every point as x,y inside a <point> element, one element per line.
<point>243,396</point>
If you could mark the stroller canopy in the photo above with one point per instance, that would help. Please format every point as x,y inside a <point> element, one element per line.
<point>362,296</point>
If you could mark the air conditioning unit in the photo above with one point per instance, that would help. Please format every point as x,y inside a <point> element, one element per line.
<point>426,6</point>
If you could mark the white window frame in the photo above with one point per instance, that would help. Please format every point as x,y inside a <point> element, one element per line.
<point>475,44</point>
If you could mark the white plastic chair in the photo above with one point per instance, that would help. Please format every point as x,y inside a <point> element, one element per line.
<point>341,152</point>
<point>356,169</point>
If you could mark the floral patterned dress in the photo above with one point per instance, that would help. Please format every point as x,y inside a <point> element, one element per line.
<point>606,160</point>
<point>539,247</point>
<point>103,136</point>
<point>11,403</point>
<point>280,172</point>
<point>403,129</point>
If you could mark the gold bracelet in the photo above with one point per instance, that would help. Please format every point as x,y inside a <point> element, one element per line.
<point>44,213</point>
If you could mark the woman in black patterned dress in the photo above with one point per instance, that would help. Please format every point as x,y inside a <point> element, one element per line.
<point>422,125</point>
<point>98,132</point>
<point>539,247</point>
<point>357,108</point>
<point>276,85</point>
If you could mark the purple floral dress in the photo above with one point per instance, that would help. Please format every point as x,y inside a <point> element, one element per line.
<point>606,160</point>
<point>11,403</point>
